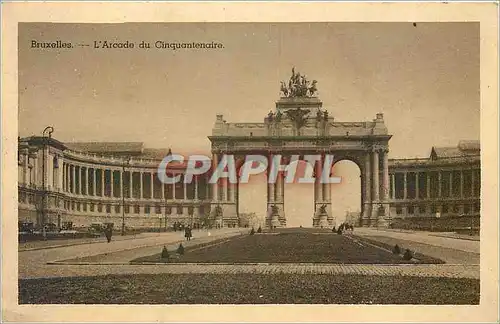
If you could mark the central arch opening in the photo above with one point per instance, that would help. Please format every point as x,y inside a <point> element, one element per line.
<point>346,195</point>
<point>299,199</point>
<point>252,201</point>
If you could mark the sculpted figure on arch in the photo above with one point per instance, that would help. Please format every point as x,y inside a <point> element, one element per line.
<point>298,86</point>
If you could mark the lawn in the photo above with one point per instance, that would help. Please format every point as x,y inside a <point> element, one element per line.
<point>289,246</point>
<point>248,289</point>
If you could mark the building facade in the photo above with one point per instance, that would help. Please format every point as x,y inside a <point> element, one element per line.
<point>117,183</point>
<point>441,191</point>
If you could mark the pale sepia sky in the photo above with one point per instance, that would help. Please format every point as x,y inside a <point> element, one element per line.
<point>424,78</point>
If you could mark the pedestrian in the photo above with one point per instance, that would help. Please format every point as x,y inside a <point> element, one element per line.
<point>108,232</point>
<point>187,233</point>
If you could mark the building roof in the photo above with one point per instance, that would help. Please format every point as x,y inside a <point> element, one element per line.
<point>469,146</point>
<point>155,153</point>
<point>135,148</point>
<point>463,149</point>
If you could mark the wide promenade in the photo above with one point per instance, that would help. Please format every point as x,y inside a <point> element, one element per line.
<point>461,257</point>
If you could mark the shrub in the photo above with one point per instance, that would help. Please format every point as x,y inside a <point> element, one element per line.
<point>180,249</point>
<point>396,249</point>
<point>408,255</point>
<point>259,230</point>
<point>334,229</point>
<point>164,253</point>
<point>339,231</point>
<point>252,232</point>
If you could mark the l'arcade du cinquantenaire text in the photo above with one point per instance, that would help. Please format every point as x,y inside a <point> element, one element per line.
<point>99,44</point>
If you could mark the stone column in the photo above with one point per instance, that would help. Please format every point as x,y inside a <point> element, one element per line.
<point>46,167</point>
<point>328,201</point>
<point>151,185</point>
<point>195,188</point>
<point>66,177</point>
<point>215,188</point>
<point>35,169</point>
<point>173,187</point>
<point>112,182</point>
<point>272,219</point>
<point>270,186</point>
<point>428,185</point>
<point>94,183</point>
<point>184,188</point>
<point>439,184</point>
<point>367,186</point>
<point>63,176</point>
<point>162,192</point>
<point>60,176</point>
<point>319,219</point>
<point>122,191</point>
<point>385,187</point>
<point>86,181</point>
<point>473,186</point>
<point>25,168</point>
<point>69,178</point>
<point>393,184</point>
<point>103,175</point>
<point>375,173</point>
<point>451,183</point>
<point>130,183</point>
<point>385,175</point>
<point>73,179</point>
<point>405,185</point>
<point>461,183</point>
<point>417,187</point>
<point>81,183</point>
<point>141,185</point>
<point>326,192</point>
<point>318,192</point>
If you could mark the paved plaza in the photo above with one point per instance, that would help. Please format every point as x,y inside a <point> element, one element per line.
<point>33,263</point>
<point>461,257</point>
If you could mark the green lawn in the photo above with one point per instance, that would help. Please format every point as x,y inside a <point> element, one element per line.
<point>248,289</point>
<point>289,246</point>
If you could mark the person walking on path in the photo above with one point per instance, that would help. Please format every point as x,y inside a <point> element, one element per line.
<point>188,233</point>
<point>108,232</point>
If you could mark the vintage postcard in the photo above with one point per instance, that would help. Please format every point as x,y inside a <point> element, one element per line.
<point>250,162</point>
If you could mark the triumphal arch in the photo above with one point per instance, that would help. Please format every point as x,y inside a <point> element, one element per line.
<point>300,125</point>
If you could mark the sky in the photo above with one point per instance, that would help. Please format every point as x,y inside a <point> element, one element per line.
<point>424,78</point>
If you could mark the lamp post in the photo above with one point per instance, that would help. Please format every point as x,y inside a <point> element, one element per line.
<point>165,207</point>
<point>48,130</point>
<point>123,195</point>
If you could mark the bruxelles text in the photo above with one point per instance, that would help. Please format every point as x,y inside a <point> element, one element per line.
<point>240,172</point>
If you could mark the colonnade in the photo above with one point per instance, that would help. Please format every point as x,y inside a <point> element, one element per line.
<point>442,182</point>
<point>87,180</point>
<point>453,190</point>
